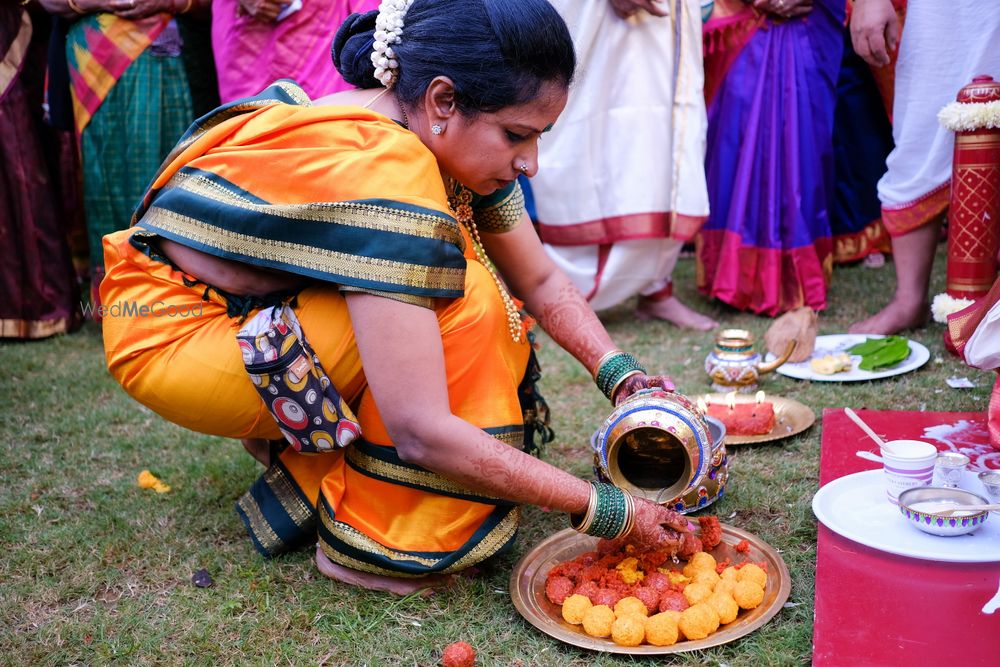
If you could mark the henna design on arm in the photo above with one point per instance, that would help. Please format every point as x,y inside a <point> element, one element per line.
<point>506,472</point>
<point>570,320</point>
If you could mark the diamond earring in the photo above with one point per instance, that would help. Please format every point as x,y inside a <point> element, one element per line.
<point>437,129</point>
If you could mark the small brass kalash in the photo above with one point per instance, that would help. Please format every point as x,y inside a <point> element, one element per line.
<point>657,445</point>
<point>733,364</point>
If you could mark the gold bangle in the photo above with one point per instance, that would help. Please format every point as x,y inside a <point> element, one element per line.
<point>629,516</point>
<point>600,362</point>
<point>588,517</point>
<point>618,384</point>
<point>75,7</point>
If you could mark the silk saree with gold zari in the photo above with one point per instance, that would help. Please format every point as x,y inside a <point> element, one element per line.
<point>348,197</point>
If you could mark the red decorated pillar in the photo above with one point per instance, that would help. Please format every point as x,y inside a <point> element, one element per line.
<point>974,212</point>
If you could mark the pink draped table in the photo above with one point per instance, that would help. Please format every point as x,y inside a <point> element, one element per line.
<point>875,608</point>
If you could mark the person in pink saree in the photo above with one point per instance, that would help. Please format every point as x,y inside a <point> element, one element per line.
<point>257,42</point>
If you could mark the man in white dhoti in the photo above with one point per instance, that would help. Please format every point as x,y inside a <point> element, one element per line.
<point>943,46</point>
<point>621,181</point>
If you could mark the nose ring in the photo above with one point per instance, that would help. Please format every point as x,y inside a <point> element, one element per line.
<point>524,168</point>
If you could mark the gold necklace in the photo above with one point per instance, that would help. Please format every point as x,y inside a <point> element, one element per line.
<point>460,203</point>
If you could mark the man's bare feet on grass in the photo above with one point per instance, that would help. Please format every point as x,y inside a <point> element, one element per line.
<point>899,315</point>
<point>674,311</point>
<point>376,582</point>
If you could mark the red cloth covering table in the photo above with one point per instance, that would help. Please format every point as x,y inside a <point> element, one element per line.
<point>874,608</point>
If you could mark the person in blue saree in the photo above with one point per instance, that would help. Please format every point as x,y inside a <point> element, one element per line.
<point>770,84</point>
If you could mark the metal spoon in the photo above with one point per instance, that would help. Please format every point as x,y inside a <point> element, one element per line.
<point>947,509</point>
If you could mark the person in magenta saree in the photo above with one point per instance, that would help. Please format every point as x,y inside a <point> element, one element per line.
<point>770,84</point>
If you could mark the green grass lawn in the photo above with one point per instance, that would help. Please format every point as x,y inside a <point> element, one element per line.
<point>94,570</point>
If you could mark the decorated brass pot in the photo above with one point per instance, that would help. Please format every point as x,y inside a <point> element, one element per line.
<point>734,365</point>
<point>658,446</point>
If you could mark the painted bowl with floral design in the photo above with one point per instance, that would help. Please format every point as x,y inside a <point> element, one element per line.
<point>923,507</point>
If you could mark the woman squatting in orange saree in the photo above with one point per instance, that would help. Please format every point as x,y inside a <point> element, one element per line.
<point>392,225</point>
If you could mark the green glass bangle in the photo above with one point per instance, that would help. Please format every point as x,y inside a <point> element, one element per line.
<point>611,514</point>
<point>614,369</point>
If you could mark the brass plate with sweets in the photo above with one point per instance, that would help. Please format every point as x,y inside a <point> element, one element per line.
<point>790,417</point>
<point>527,591</point>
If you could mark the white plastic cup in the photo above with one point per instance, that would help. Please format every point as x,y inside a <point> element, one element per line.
<point>907,464</point>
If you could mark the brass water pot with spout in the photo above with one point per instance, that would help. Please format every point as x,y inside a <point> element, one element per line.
<point>734,365</point>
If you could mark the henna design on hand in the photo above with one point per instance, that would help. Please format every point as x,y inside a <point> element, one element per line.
<point>641,381</point>
<point>657,527</point>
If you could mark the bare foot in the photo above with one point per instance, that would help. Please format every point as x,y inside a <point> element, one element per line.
<point>674,311</point>
<point>376,582</point>
<point>898,316</point>
<point>259,448</point>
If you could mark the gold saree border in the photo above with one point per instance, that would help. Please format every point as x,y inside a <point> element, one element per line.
<point>32,329</point>
<point>259,526</point>
<point>283,488</point>
<point>12,59</point>
<point>305,257</point>
<point>421,479</point>
<point>495,539</point>
<point>354,214</point>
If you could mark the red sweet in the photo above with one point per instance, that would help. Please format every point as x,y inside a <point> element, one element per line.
<point>592,573</point>
<point>459,654</point>
<point>613,579</point>
<point>558,588</point>
<point>651,560</point>
<point>690,545</point>
<point>743,546</point>
<point>711,531</point>
<point>606,596</point>
<point>658,581</point>
<point>588,589</point>
<point>649,596</point>
<point>673,600</point>
<point>744,418</point>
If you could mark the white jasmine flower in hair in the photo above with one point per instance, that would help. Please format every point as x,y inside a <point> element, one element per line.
<point>388,31</point>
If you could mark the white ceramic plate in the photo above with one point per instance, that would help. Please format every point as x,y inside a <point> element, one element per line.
<point>835,343</point>
<point>855,506</point>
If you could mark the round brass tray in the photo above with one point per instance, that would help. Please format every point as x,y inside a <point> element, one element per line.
<point>790,417</point>
<point>527,591</point>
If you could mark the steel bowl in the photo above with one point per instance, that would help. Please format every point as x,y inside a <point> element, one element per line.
<point>935,523</point>
<point>991,482</point>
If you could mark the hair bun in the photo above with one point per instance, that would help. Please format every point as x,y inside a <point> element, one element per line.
<point>352,50</point>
